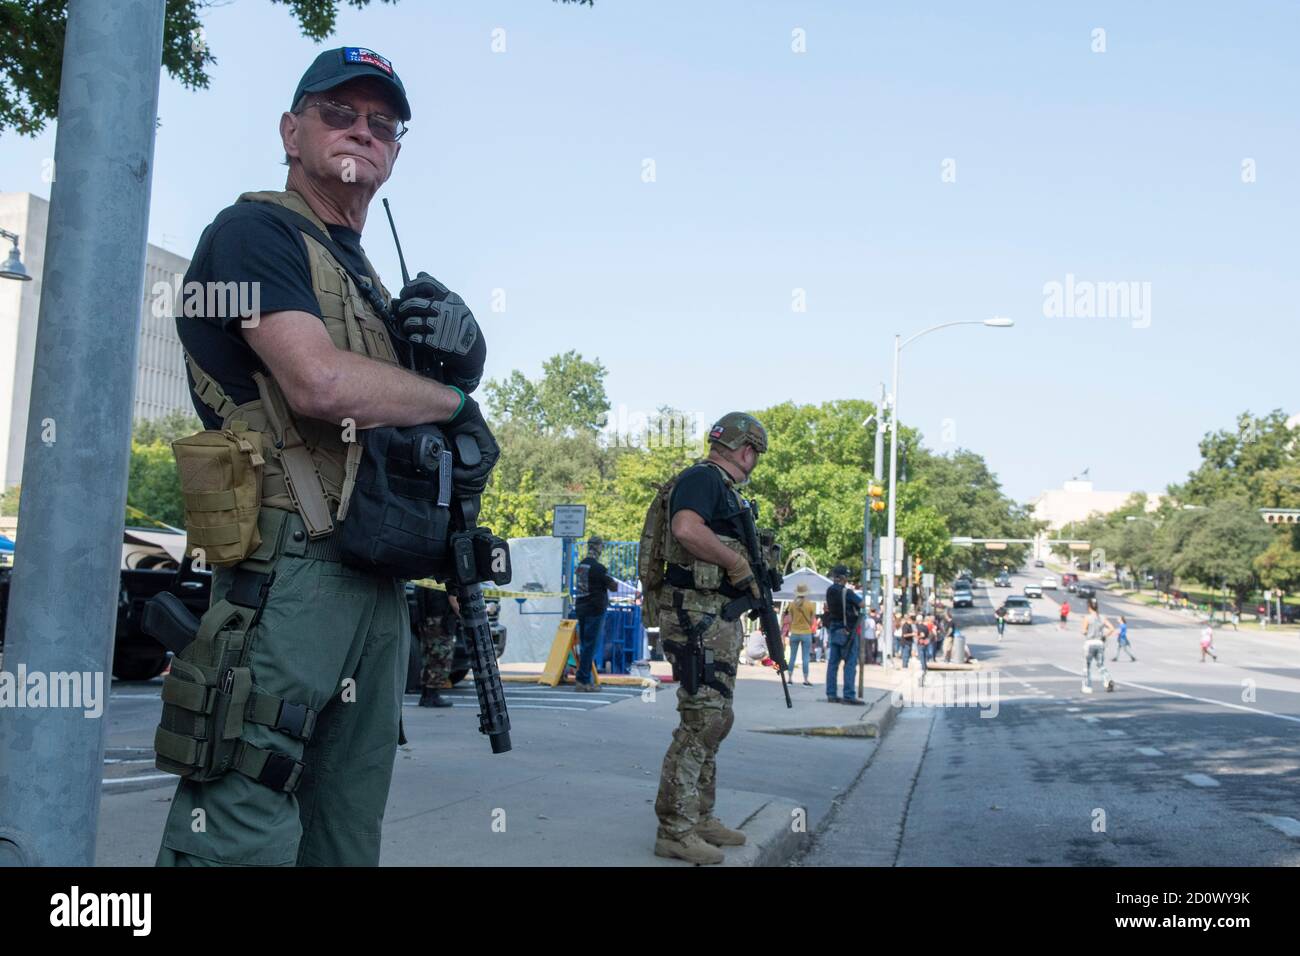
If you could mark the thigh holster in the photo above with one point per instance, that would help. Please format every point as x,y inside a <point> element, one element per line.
<point>208,696</point>
<point>693,663</point>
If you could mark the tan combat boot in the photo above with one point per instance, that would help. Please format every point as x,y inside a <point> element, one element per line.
<point>690,848</point>
<point>714,831</point>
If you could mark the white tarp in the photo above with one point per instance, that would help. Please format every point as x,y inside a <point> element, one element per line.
<point>530,624</point>
<point>817,585</point>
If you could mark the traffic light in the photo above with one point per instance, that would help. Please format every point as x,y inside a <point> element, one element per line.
<point>877,497</point>
<point>917,568</point>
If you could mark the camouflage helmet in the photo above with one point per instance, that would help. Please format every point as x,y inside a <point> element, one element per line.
<point>736,428</point>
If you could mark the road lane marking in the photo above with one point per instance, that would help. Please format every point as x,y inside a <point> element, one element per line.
<point>1202,700</point>
<point>1287,825</point>
<point>1090,719</point>
<point>147,776</point>
<point>1073,710</point>
<point>1118,733</point>
<point>1150,752</point>
<point>1200,779</point>
<point>527,707</point>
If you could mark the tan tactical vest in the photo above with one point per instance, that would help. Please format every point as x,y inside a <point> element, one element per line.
<point>309,467</point>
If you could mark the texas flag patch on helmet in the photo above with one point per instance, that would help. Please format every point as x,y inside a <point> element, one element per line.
<point>357,54</point>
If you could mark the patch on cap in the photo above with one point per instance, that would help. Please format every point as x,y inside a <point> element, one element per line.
<point>715,433</point>
<point>358,54</point>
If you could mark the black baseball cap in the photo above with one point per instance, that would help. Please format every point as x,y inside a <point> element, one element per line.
<point>334,67</point>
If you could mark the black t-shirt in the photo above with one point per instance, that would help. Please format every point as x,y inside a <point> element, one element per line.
<point>702,490</point>
<point>842,602</point>
<point>592,584</point>
<point>248,244</point>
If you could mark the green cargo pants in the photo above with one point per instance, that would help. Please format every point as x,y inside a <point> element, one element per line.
<point>335,639</point>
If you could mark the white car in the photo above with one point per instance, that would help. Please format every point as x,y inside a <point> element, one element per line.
<point>1050,583</point>
<point>1033,591</point>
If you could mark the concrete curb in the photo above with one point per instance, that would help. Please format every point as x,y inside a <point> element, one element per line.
<point>773,838</point>
<point>875,722</point>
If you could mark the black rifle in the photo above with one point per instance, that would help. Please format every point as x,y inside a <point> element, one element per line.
<point>766,578</point>
<point>479,555</point>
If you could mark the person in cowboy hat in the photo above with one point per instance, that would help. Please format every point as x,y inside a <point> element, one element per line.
<point>802,612</point>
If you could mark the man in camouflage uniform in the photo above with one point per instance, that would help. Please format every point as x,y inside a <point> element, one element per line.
<point>437,629</point>
<point>707,567</point>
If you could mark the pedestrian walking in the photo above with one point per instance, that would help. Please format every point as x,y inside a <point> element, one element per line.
<point>1207,642</point>
<point>1236,617</point>
<point>1065,615</point>
<point>1095,631</point>
<point>1123,644</point>
<point>1000,617</point>
<point>801,613</point>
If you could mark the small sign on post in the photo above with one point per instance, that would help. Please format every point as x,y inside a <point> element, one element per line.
<point>569,521</point>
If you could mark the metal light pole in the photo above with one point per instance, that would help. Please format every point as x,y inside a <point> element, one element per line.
<point>878,466</point>
<point>79,431</point>
<point>899,345</point>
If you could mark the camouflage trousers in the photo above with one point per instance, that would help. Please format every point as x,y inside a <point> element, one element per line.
<point>688,780</point>
<point>438,646</point>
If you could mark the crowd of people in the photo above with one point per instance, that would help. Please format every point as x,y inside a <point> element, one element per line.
<point>844,629</point>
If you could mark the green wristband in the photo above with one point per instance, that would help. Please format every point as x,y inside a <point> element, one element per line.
<point>459,406</point>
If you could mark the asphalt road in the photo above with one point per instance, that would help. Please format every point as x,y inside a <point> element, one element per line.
<point>1185,764</point>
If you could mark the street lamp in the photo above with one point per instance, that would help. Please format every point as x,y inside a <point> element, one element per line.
<point>899,345</point>
<point>12,267</point>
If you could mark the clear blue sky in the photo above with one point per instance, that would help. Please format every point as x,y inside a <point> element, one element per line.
<point>821,171</point>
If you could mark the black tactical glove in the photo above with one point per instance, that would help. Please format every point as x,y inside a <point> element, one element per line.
<point>471,466</point>
<point>441,330</point>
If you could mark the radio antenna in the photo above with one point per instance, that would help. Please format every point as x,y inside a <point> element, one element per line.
<point>406,278</point>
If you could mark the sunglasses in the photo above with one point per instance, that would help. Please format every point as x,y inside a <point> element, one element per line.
<point>337,116</point>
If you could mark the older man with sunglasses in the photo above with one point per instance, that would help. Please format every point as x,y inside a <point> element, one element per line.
<point>282,716</point>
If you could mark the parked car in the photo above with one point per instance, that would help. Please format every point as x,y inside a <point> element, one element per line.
<point>1049,582</point>
<point>1003,580</point>
<point>962,597</point>
<point>1018,610</point>
<point>148,568</point>
<point>1033,591</point>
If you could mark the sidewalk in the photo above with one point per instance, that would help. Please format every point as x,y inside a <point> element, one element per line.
<point>579,786</point>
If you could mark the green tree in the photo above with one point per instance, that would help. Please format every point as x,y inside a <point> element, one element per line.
<point>568,399</point>
<point>514,511</point>
<point>31,59</point>
<point>166,429</point>
<point>1279,565</point>
<point>153,485</point>
<point>9,501</point>
<point>1243,462</point>
<point>1218,545</point>
<point>963,489</point>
